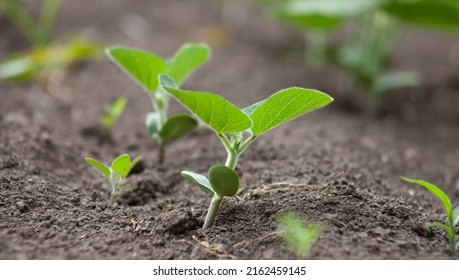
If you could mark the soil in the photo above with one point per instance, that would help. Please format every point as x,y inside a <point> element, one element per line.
<point>336,166</point>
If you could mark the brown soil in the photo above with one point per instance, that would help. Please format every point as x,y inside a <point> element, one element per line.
<point>335,167</point>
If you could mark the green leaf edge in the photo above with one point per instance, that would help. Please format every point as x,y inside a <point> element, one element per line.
<point>104,170</point>
<point>225,192</point>
<point>188,175</point>
<point>437,192</point>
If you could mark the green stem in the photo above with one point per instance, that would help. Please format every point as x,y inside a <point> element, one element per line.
<point>246,144</point>
<point>46,22</point>
<point>234,153</point>
<point>452,239</point>
<point>160,106</point>
<point>212,212</point>
<point>231,160</point>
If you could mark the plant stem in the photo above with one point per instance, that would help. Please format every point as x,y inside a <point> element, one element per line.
<point>46,21</point>
<point>212,212</point>
<point>452,239</point>
<point>231,160</point>
<point>158,104</point>
<point>161,108</point>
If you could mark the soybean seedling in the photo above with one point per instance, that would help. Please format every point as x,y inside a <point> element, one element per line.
<point>116,173</point>
<point>144,68</point>
<point>46,57</point>
<point>296,235</point>
<point>365,54</point>
<point>113,112</point>
<point>452,214</point>
<point>238,128</point>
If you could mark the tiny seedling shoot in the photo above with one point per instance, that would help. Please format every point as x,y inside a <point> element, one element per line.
<point>46,57</point>
<point>373,29</point>
<point>296,235</point>
<point>144,68</point>
<point>452,214</point>
<point>116,173</point>
<point>113,112</point>
<point>238,128</point>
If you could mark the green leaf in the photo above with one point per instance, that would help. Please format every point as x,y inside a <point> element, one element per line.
<point>456,216</point>
<point>200,180</point>
<point>188,58</point>
<point>17,67</point>
<point>141,66</point>
<point>446,228</point>
<point>151,122</point>
<point>176,127</point>
<point>99,166</point>
<point>216,112</point>
<point>113,112</point>
<point>224,180</point>
<point>122,165</point>
<point>396,80</point>
<point>250,109</point>
<point>46,21</point>
<point>316,23</point>
<point>286,105</point>
<point>436,191</point>
<point>328,8</point>
<point>435,14</point>
<point>320,14</point>
<point>117,108</point>
<point>296,235</point>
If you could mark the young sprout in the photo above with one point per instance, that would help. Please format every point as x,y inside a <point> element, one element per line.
<point>144,68</point>
<point>116,173</point>
<point>296,235</point>
<point>238,128</point>
<point>38,32</point>
<point>452,214</point>
<point>365,54</point>
<point>113,112</point>
<point>46,57</point>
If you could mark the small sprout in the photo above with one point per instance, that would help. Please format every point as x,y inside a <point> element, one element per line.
<point>38,32</point>
<point>238,128</point>
<point>116,173</point>
<point>223,181</point>
<point>373,28</point>
<point>296,235</point>
<point>452,214</point>
<point>113,112</point>
<point>144,68</point>
<point>46,58</point>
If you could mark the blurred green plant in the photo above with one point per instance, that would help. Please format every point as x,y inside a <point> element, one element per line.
<point>113,112</point>
<point>116,173</point>
<point>144,68</point>
<point>376,27</point>
<point>238,128</point>
<point>45,57</point>
<point>296,235</point>
<point>452,214</point>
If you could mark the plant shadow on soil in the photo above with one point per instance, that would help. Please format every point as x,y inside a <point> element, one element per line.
<point>333,167</point>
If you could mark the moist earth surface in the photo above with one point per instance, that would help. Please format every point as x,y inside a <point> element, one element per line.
<point>336,167</point>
